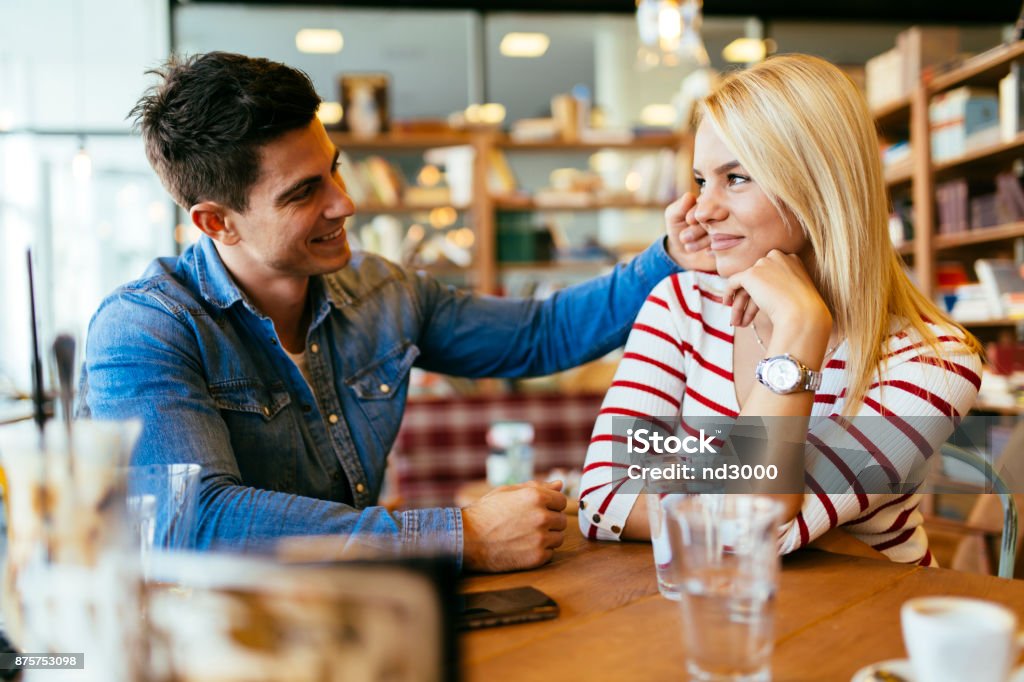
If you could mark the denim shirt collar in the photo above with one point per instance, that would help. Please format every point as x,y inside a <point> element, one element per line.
<point>215,283</point>
<point>218,287</point>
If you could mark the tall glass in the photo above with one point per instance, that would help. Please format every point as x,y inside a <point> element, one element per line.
<point>661,545</point>
<point>725,561</point>
<point>68,584</point>
<point>162,503</point>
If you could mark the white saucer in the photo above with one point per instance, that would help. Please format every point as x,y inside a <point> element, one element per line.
<point>901,667</point>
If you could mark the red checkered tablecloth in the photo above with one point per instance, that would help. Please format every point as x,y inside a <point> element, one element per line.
<point>442,442</point>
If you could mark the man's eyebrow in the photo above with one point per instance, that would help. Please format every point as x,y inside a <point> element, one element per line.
<point>282,198</point>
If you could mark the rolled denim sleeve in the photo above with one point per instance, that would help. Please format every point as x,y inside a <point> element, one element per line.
<point>143,362</point>
<point>476,336</point>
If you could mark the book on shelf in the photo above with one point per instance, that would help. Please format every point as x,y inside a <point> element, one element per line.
<point>1011,102</point>
<point>1001,280</point>
<point>371,180</point>
<point>962,119</point>
<point>1008,187</point>
<point>501,181</point>
<point>951,201</point>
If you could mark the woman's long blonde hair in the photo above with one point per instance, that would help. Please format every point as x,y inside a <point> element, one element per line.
<point>802,129</point>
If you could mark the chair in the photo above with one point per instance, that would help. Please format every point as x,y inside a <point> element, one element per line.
<point>995,484</point>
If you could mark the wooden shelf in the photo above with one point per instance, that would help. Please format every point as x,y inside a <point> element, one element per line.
<point>990,154</point>
<point>995,322</point>
<point>659,141</point>
<point>556,265</point>
<point>620,204</point>
<point>375,209</point>
<point>985,235</point>
<point>895,114</point>
<point>906,249</point>
<point>443,269</point>
<point>899,174</point>
<point>393,142</point>
<point>1012,410</point>
<point>983,69</point>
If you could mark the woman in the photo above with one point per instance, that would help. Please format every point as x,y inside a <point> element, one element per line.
<point>792,196</point>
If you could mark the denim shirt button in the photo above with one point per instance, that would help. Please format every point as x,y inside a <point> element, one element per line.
<point>315,348</point>
<point>266,411</point>
<point>307,409</point>
<point>360,488</point>
<point>333,419</point>
<point>384,388</point>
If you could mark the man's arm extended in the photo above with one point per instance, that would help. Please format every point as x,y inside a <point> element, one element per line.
<point>477,336</point>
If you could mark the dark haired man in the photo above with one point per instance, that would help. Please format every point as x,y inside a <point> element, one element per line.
<point>279,361</point>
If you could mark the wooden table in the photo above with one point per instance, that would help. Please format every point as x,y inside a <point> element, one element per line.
<point>834,614</point>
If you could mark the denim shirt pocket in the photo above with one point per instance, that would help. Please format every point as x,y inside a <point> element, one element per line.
<point>379,390</point>
<point>261,436</point>
<point>385,377</point>
<point>250,395</point>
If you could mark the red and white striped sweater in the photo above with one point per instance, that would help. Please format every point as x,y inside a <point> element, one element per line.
<point>678,360</point>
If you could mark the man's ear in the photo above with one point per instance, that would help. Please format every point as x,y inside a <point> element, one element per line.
<point>211,219</point>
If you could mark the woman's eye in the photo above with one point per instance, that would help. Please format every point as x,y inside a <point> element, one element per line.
<point>735,179</point>
<point>700,184</point>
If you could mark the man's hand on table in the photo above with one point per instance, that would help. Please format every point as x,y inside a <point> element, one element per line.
<point>514,527</point>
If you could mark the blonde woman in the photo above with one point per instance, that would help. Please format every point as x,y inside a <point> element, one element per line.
<point>809,316</point>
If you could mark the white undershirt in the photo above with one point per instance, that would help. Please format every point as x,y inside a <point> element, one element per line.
<point>300,361</point>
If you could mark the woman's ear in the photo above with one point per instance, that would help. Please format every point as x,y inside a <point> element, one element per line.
<point>210,218</point>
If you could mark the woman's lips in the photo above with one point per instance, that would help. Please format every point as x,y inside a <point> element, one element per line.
<point>721,242</point>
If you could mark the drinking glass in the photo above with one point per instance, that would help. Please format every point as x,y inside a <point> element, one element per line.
<point>725,562</point>
<point>162,500</point>
<point>661,545</point>
<point>68,586</point>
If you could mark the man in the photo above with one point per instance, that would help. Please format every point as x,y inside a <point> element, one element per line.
<point>279,361</point>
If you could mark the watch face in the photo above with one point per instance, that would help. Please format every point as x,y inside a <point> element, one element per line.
<point>782,374</point>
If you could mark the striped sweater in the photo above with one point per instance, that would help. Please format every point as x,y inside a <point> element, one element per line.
<point>678,360</point>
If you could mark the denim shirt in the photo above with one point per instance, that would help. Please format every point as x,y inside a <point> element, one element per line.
<point>184,351</point>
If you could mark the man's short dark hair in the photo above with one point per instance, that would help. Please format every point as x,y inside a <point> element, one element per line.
<point>204,123</point>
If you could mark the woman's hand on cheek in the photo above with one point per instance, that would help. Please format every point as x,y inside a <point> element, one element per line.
<point>779,285</point>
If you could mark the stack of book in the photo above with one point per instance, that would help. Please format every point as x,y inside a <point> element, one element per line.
<point>372,180</point>
<point>958,213</point>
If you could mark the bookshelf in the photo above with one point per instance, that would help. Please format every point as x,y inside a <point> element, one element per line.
<point>480,214</point>
<point>919,175</point>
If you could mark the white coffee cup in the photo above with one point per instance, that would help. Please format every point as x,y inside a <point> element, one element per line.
<point>952,639</point>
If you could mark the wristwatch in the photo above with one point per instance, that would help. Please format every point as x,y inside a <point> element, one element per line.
<point>785,374</point>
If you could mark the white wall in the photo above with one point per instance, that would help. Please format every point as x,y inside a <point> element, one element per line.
<point>426,53</point>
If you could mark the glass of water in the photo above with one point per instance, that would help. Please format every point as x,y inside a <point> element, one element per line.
<point>661,546</point>
<point>725,562</point>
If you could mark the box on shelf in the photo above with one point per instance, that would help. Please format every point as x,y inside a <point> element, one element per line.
<point>963,119</point>
<point>893,74</point>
